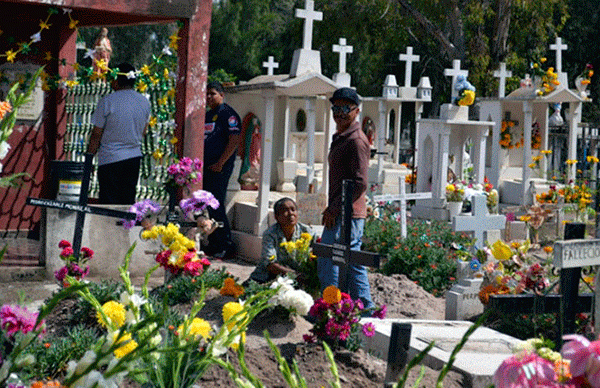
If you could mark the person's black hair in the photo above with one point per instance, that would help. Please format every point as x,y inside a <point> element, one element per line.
<point>279,204</point>
<point>216,85</point>
<point>122,79</point>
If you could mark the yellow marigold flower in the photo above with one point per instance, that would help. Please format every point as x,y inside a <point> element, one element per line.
<point>152,122</point>
<point>543,59</point>
<point>537,158</point>
<point>229,310</point>
<point>173,41</point>
<point>571,161</point>
<point>592,159</point>
<point>332,295</point>
<point>515,244</point>
<point>306,236</point>
<point>532,165</point>
<point>198,327</point>
<point>548,249</point>
<point>231,288</point>
<point>450,188</point>
<point>546,152</point>
<point>142,87</point>
<point>525,218</point>
<point>73,24</point>
<point>114,311</point>
<point>129,345</point>
<point>501,251</point>
<point>10,55</point>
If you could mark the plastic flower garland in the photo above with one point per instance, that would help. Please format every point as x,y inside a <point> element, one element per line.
<point>73,263</point>
<point>197,203</point>
<point>179,254</point>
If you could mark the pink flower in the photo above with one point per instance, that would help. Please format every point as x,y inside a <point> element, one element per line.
<point>66,252</point>
<point>87,253</point>
<point>16,319</point>
<point>380,312</point>
<point>61,273</point>
<point>584,356</point>
<point>64,244</point>
<point>525,370</point>
<point>368,329</point>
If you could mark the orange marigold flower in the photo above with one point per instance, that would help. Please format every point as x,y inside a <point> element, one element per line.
<point>332,295</point>
<point>230,288</point>
<point>5,107</point>
<point>548,249</point>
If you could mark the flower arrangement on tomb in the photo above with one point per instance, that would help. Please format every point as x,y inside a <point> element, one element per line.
<point>506,136</point>
<point>586,75</point>
<point>143,211</point>
<point>296,301</point>
<point>536,136</point>
<point>411,178</point>
<point>578,199</point>
<point>301,252</point>
<point>549,197</point>
<point>184,172</point>
<point>179,253</point>
<point>197,203</point>
<point>455,192</point>
<point>74,263</point>
<point>337,319</point>
<point>547,80</point>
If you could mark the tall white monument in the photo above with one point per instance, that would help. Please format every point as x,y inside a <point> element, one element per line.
<point>342,78</point>
<point>307,60</point>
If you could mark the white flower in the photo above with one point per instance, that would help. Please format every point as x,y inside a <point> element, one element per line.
<point>218,347</point>
<point>134,299</point>
<point>36,37</point>
<point>4,148</point>
<point>167,51</point>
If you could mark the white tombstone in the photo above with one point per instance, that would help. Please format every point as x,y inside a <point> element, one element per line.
<point>559,47</point>
<point>462,300</point>
<point>306,59</point>
<point>270,64</point>
<point>480,222</point>
<point>503,74</point>
<point>409,58</point>
<point>342,78</point>
<point>454,72</point>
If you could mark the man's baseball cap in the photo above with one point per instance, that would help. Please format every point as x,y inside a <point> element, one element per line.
<point>345,94</point>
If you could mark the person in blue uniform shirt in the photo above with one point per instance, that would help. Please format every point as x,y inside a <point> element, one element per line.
<point>222,136</point>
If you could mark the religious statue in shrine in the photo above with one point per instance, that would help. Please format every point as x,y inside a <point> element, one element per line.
<point>250,154</point>
<point>102,51</point>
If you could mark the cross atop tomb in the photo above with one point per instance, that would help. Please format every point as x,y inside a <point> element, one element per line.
<point>503,74</point>
<point>309,15</point>
<point>454,72</point>
<point>480,222</point>
<point>270,65</point>
<point>559,47</point>
<point>344,50</point>
<point>409,58</point>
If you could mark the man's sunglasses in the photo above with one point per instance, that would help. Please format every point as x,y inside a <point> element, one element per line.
<point>345,109</point>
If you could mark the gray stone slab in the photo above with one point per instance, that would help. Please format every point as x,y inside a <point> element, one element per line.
<point>462,300</point>
<point>477,361</point>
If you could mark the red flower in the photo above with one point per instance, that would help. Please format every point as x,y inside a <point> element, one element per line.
<point>64,244</point>
<point>87,253</point>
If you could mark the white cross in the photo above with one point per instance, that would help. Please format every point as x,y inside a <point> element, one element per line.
<point>455,72</point>
<point>503,75</point>
<point>409,58</point>
<point>480,222</point>
<point>270,65</point>
<point>402,198</point>
<point>344,50</point>
<point>310,15</point>
<point>559,47</point>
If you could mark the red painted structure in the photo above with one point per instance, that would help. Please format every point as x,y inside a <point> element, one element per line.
<point>34,146</point>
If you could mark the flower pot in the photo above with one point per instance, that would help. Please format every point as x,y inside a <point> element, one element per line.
<point>454,208</point>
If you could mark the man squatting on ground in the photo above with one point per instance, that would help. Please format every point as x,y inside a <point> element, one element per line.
<point>348,159</point>
<point>120,122</point>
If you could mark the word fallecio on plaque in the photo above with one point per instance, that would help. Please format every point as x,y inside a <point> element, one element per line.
<point>576,253</point>
<point>22,72</point>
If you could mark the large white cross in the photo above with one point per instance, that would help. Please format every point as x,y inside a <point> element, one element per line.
<point>559,47</point>
<point>503,74</point>
<point>344,50</point>
<point>409,58</point>
<point>455,72</point>
<point>480,222</point>
<point>402,197</point>
<point>270,65</point>
<point>309,15</point>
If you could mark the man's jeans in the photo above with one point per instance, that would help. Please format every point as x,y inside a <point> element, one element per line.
<point>358,281</point>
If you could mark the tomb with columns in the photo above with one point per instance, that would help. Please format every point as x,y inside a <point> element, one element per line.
<point>441,143</point>
<point>523,124</point>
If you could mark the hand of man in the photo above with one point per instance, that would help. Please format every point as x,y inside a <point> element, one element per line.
<point>215,167</point>
<point>328,220</point>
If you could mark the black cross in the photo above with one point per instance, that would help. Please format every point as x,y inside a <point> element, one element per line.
<point>568,304</point>
<point>340,253</point>
<point>81,207</point>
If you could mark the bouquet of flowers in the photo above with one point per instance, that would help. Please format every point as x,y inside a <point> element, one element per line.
<point>185,172</point>
<point>179,253</point>
<point>587,74</point>
<point>455,192</point>
<point>337,317</point>
<point>295,301</point>
<point>197,203</point>
<point>142,210</point>
<point>300,252</point>
<point>73,263</point>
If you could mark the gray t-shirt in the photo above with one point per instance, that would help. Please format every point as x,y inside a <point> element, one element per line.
<point>123,114</point>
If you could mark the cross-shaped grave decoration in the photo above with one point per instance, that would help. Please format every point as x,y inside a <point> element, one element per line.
<point>570,256</point>
<point>402,198</point>
<point>81,207</point>
<point>559,47</point>
<point>502,74</point>
<point>480,222</point>
<point>409,58</point>
<point>340,253</point>
<point>309,15</point>
<point>344,50</point>
<point>454,72</point>
<point>270,65</point>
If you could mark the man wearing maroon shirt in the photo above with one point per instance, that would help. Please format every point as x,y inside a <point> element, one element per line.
<point>348,159</point>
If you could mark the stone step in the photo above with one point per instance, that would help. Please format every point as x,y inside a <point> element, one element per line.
<point>477,361</point>
<point>22,274</point>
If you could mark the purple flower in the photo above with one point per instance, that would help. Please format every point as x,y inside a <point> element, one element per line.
<point>347,306</point>
<point>368,329</point>
<point>141,210</point>
<point>380,312</point>
<point>61,273</point>
<point>198,202</point>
